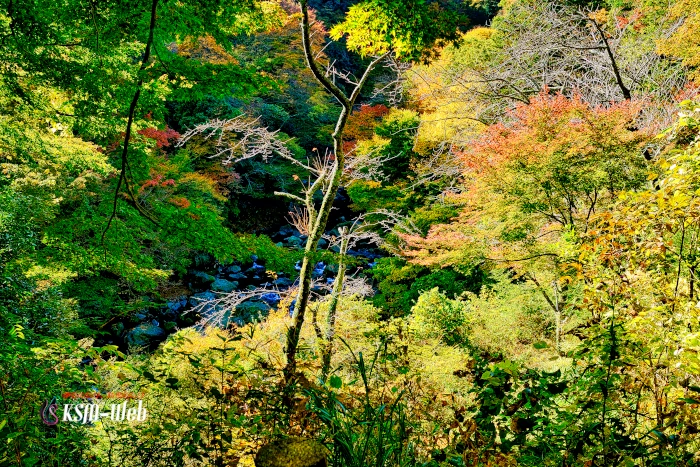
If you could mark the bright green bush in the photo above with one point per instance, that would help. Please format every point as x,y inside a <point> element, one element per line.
<point>435,315</point>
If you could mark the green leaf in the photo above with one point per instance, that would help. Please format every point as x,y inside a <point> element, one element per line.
<point>336,382</point>
<point>540,345</point>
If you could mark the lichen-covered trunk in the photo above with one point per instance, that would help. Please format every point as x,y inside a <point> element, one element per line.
<point>308,262</point>
<point>327,351</point>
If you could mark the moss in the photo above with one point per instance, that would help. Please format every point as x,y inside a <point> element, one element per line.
<point>292,452</point>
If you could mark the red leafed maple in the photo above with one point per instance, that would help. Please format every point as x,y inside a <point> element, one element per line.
<point>556,161</point>
<point>551,124</point>
<point>163,138</point>
<point>361,124</point>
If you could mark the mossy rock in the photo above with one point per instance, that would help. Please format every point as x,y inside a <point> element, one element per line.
<point>292,452</point>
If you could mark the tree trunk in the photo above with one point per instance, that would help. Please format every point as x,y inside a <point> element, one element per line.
<point>332,311</point>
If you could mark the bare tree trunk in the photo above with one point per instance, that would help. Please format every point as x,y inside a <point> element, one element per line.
<point>333,309</point>
<point>616,70</point>
<point>557,318</point>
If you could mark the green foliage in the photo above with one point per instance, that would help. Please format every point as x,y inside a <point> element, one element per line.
<point>371,196</point>
<point>435,315</point>
<point>363,433</point>
<point>399,127</point>
<point>401,283</point>
<point>35,370</point>
<point>375,27</point>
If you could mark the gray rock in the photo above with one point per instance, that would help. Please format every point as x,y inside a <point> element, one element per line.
<point>335,249</point>
<point>141,315</point>
<point>318,269</point>
<point>177,304</point>
<point>293,241</point>
<point>283,282</point>
<point>222,285</point>
<point>288,231</point>
<point>279,244</point>
<point>367,253</point>
<point>233,269</point>
<point>271,298</point>
<point>322,243</point>
<point>252,310</point>
<point>203,278</point>
<point>237,276</point>
<point>145,334</point>
<point>198,298</point>
<point>256,269</point>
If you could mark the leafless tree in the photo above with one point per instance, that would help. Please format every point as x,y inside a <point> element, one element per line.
<point>392,84</point>
<point>442,164</point>
<point>568,50</point>
<point>249,140</point>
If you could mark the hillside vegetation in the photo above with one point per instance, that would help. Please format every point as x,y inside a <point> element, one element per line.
<point>350,233</point>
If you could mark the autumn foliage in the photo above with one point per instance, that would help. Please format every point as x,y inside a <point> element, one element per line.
<point>361,124</point>
<point>163,138</point>
<point>552,164</point>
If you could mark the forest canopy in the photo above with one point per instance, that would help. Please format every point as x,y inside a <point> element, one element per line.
<point>301,233</point>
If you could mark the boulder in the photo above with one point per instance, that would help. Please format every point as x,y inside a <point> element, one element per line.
<point>177,304</point>
<point>233,269</point>
<point>256,269</point>
<point>283,282</point>
<point>145,334</point>
<point>365,252</point>
<point>323,243</point>
<point>222,285</point>
<point>250,311</point>
<point>318,269</point>
<point>200,278</point>
<point>141,315</point>
<point>198,298</point>
<point>292,452</point>
<point>237,276</point>
<point>293,241</point>
<point>271,298</point>
<point>288,231</point>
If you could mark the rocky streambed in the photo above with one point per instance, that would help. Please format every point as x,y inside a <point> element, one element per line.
<point>150,326</point>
